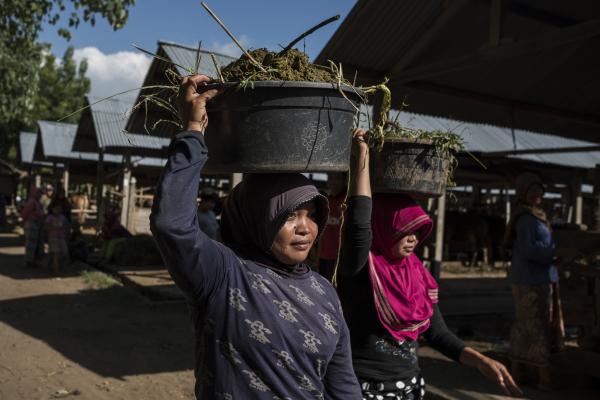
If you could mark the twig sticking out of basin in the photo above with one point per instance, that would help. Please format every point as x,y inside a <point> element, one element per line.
<point>217,68</point>
<point>198,58</point>
<point>227,31</point>
<point>308,32</point>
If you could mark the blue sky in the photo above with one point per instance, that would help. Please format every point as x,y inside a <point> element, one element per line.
<point>264,22</point>
<point>114,63</point>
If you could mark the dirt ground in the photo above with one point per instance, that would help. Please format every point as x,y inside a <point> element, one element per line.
<point>62,339</point>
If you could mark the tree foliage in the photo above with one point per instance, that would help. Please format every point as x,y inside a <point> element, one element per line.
<point>61,88</point>
<point>24,66</point>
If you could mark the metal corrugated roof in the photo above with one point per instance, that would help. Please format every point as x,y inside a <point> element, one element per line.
<point>529,64</point>
<point>56,142</point>
<point>383,22</point>
<point>102,126</point>
<point>57,139</point>
<point>146,116</point>
<point>27,142</point>
<point>110,117</point>
<point>185,56</point>
<point>484,138</point>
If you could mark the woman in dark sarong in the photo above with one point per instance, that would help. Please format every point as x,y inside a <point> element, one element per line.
<point>538,329</point>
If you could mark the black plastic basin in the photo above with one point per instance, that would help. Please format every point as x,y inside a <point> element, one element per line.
<point>409,166</point>
<point>280,126</point>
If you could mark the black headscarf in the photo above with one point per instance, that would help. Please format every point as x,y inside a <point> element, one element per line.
<point>258,207</point>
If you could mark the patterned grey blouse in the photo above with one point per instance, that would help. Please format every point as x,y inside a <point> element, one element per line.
<point>259,334</point>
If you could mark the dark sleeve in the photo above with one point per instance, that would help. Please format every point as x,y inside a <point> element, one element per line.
<point>340,380</point>
<point>356,236</point>
<point>532,249</point>
<point>441,338</point>
<point>196,263</point>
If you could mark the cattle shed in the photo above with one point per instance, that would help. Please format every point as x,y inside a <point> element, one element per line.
<point>27,144</point>
<point>101,130</point>
<point>53,145</point>
<point>35,169</point>
<point>174,59</point>
<point>526,64</point>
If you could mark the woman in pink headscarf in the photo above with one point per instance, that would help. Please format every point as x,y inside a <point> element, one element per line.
<point>389,298</point>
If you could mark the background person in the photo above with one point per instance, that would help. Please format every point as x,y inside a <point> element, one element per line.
<point>61,199</point>
<point>56,228</point>
<point>207,219</point>
<point>538,329</point>
<point>33,223</point>
<point>46,198</point>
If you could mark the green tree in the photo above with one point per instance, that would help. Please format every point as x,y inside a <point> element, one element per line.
<point>22,57</point>
<point>61,88</point>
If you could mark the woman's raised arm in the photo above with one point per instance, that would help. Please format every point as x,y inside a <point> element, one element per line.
<point>357,236</point>
<point>196,263</point>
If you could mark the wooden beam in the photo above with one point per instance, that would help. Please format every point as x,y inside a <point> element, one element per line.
<point>496,21</point>
<point>436,265</point>
<point>99,190</point>
<point>506,102</point>
<point>234,180</point>
<point>489,55</point>
<point>451,8</point>
<point>65,179</point>
<point>125,193</point>
<point>545,16</point>
<point>131,206</point>
<point>577,198</point>
<point>545,150</point>
<point>596,202</point>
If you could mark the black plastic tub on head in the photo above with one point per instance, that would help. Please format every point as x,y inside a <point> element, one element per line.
<point>410,166</point>
<point>279,126</point>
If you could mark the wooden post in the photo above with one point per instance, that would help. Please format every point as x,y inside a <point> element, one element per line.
<point>496,19</point>
<point>476,197</point>
<point>65,179</point>
<point>125,191</point>
<point>597,198</point>
<point>132,205</point>
<point>427,249</point>
<point>436,265</point>
<point>507,209</point>
<point>579,209</point>
<point>235,179</point>
<point>577,199</point>
<point>100,190</point>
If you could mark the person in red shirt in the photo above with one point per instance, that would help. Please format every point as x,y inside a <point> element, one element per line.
<point>330,242</point>
<point>33,222</point>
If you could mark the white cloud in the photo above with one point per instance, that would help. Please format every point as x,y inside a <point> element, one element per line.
<point>113,73</point>
<point>230,48</point>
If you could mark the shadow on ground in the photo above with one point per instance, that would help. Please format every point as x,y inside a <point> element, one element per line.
<point>110,331</point>
<point>460,382</point>
<point>18,270</point>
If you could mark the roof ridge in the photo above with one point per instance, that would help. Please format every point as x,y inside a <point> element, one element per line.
<point>45,121</point>
<point>202,50</point>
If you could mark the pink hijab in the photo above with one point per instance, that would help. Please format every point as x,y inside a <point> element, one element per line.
<point>403,290</point>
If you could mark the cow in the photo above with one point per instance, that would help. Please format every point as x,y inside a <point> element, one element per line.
<point>478,236</point>
<point>80,203</point>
